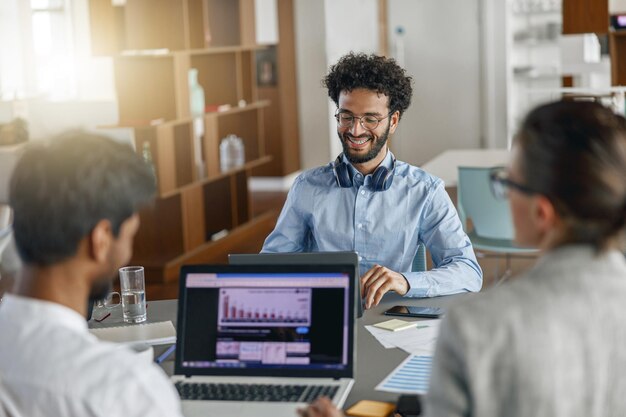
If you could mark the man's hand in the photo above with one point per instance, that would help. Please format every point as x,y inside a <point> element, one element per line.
<point>380,280</point>
<point>322,407</point>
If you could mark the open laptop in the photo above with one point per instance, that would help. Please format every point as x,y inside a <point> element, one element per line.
<point>263,340</point>
<point>306,258</point>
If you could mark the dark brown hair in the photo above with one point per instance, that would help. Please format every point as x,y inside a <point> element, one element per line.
<point>574,153</point>
<point>371,72</point>
<point>62,188</point>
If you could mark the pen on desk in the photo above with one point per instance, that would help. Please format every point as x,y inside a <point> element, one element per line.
<point>102,319</point>
<point>165,354</point>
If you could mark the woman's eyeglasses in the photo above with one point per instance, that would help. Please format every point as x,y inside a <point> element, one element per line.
<point>501,183</point>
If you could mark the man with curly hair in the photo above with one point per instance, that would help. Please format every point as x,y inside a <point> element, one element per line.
<point>369,202</point>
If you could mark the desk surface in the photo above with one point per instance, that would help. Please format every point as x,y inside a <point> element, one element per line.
<point>373,362</point>
<point>446,164</point>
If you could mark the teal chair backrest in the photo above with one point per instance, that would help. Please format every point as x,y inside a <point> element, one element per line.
<point>5,227</point>
<point>419,262</point>
<point>491,217</point>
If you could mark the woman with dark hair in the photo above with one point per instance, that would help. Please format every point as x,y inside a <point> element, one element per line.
<point>551,343</point>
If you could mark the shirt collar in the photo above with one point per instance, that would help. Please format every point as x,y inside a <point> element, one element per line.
<point>44,311</point>
<point>387,163</point>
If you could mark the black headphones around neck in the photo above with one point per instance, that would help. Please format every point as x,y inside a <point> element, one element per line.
<point>382,177</point>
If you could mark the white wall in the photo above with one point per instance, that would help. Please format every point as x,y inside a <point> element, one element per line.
<point>266,21</point>
<point>442,53</point>
<point>617,6</point>
<point>325,31</point>
<point>494,73</point>
<point>47,118</point>
<point>311,65</point>
<point>351,25</point>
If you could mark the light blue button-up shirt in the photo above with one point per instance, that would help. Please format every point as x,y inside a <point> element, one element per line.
<point>384,227</point>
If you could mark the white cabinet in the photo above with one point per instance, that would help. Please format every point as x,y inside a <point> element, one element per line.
<point>534,62</point>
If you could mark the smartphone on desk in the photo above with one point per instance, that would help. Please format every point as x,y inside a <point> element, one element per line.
<point>410,311</point>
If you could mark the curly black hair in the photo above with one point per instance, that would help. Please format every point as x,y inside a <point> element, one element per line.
<point>371,72</point>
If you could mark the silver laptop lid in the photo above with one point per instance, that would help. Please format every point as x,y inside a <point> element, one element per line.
<point>266,320</point>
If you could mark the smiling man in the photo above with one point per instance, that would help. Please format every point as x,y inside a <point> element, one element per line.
<point>367,201</point>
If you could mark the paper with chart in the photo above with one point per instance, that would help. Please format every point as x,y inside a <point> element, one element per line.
<point>420,340</point>
<point>410,377</point>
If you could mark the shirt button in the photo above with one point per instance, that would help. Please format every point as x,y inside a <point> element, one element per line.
<point>360,258</point>
<point>362,192</point>
<point>360,225</point>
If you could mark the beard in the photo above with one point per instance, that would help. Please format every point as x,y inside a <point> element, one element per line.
<point>100,289</point>
<point>377,145</point>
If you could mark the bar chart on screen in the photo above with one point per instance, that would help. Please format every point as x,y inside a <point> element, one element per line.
<point>259,307</point>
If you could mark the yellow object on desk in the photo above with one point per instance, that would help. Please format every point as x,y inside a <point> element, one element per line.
<point>395,325</point>
<point>366,408</point>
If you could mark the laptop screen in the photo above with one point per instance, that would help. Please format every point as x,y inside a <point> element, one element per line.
<point>266,320</point>
<point>304,258</point>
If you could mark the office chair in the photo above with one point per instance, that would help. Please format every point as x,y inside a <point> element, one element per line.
<point>491,218</point>
<point>419,261</point>
<point>5,227</point>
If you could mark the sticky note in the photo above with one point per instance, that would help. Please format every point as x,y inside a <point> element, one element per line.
<point>395,325</point>
<point>366,408</point>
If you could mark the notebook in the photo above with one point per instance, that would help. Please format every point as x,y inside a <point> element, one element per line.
<point>263,340</point>
<point>158,333</point>
<point>305,258</point>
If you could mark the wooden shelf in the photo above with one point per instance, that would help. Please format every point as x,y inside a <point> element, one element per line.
<point>617,47</point>
<point>156,44</point>
<point>161,122</point>
<point>166,53</point>
<point>155,87</point>
<point>160,271</point>
<point>170,24</point>
<point>246,167</point>
<point>585,16</point>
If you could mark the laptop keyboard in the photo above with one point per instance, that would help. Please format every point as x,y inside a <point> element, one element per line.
<point>254,392</point>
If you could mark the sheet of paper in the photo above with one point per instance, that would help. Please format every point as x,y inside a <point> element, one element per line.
<point>380,334</point>
<point>151,333</point>
<point>410,377</point>
<point>420,340</point>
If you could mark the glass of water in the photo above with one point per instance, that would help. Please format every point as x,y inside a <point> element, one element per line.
<point>133,289</point>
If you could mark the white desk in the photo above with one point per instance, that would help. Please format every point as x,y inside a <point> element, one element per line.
<point>446,164</point>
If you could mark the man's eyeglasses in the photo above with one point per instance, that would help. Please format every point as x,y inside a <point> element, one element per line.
<point>368,122</point>
<point>500,184</point>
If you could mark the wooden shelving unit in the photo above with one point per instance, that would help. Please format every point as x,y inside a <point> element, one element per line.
<point>617,46</point>
<point>585,16</point>
<point>201,213</point>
